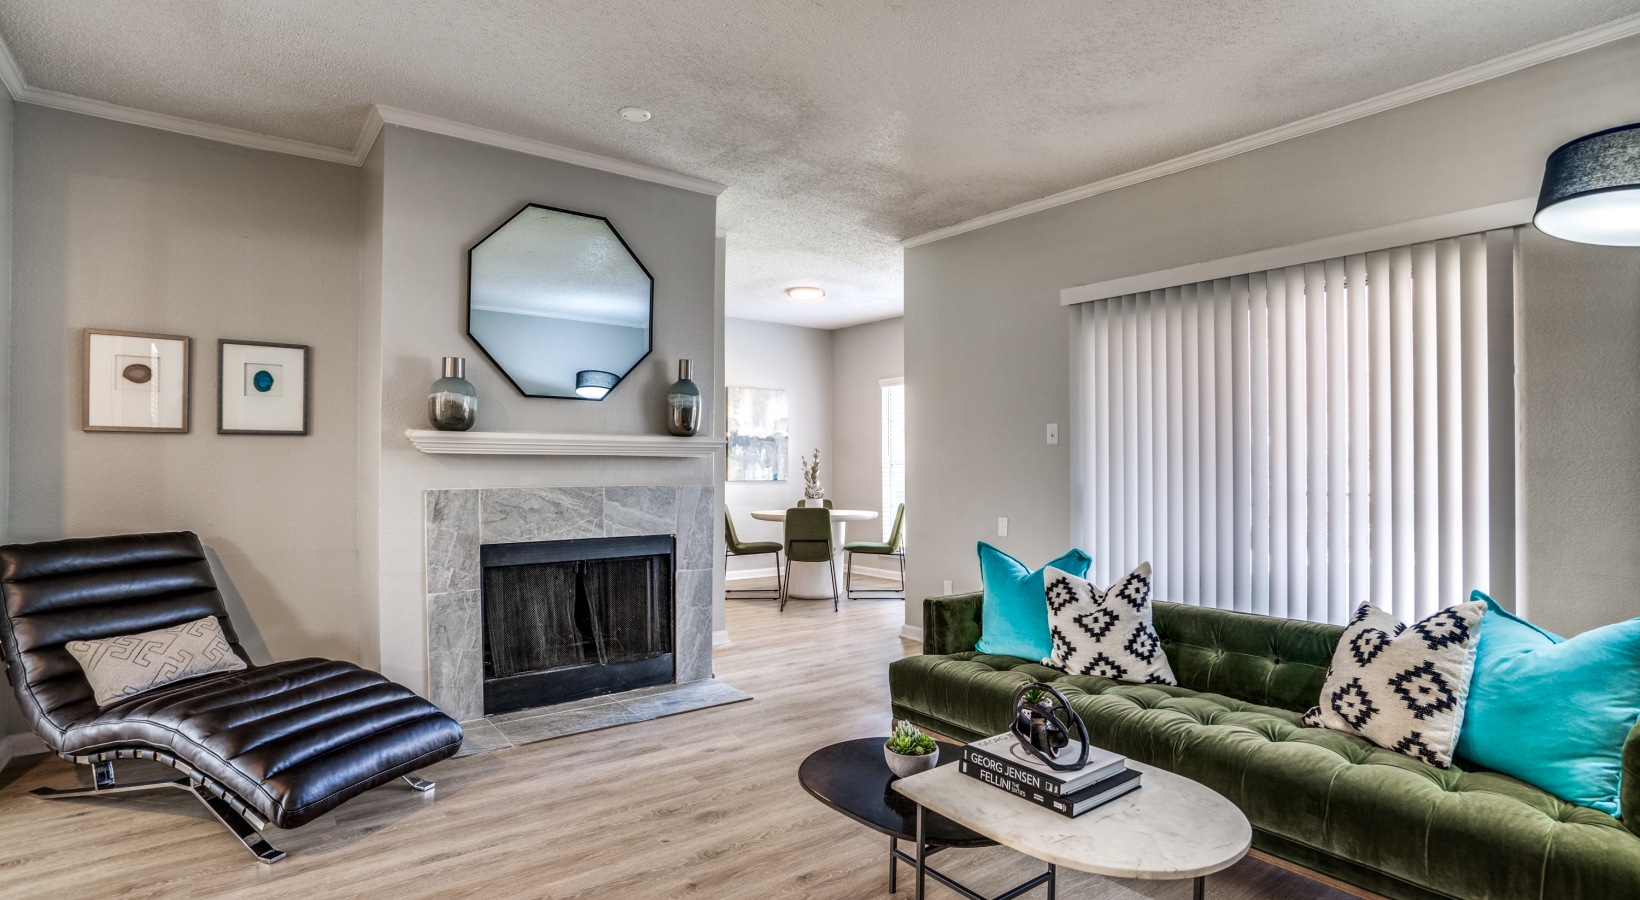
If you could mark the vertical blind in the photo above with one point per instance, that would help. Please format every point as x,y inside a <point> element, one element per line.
<point>1299,440</point>
<point>893,450</point>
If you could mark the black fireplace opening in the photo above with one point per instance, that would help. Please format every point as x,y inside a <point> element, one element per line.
<point>567,620</point>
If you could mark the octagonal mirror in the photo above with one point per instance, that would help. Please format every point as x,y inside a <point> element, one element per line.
<point>560,303</point>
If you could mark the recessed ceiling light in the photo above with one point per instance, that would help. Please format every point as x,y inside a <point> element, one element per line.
<point>634,114</point>
<point>805,292</point>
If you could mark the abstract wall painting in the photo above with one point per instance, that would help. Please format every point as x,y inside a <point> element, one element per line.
<point>758,434</point>
<point>135,381</point>
<point>261,388</point>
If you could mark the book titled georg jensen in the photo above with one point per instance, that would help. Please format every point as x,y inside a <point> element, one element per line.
<point>1002,755</point>
<point>1072,804</point>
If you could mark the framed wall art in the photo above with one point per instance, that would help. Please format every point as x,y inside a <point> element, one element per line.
<point>261,388</point>
<point>758,434</point>
<point>136,381</point>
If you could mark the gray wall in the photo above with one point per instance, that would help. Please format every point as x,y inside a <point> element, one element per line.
<point>438,196</point>
<point>124,227</point>
<point>986,340</point>
<point>798,361</point>
<point>10,716</point>
<point>861,357</point>
<point>1579,374</point>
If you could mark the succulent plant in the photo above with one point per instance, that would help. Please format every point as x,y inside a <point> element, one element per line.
<point>1035,695</point>
<point>909,740</point>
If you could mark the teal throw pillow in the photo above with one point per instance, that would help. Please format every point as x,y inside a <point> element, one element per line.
<point>1014,617</point>
<point>1553,711</point>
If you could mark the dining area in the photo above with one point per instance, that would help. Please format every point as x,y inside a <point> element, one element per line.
<point>814,534</point>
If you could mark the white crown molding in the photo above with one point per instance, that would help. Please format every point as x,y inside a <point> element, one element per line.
<point>1434,228</point>
<point>12,77</point>
<point>367,135</point>
<point>422,122</point>
<point>1503,65</point>
<point>511,443</point>
<point>239,137</point>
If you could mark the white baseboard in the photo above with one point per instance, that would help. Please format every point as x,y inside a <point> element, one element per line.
<point>25,744</point>
<point>720,638</point>
<point>744,574</point>
<point>912,633</point>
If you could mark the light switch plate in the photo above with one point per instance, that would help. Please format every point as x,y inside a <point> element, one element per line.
<point>945,587</point>
<point>1053,433</point>
<point>1002,526</point>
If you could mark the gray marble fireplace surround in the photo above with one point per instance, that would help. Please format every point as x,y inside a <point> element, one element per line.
<point>458,521</point>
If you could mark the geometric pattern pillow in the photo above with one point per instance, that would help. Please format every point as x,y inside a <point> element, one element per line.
<point>1402,687</point>
<point>119,667</point>
<point>1105,632</point>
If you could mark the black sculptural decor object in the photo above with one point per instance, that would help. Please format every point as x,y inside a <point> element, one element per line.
<point>1047,726</point>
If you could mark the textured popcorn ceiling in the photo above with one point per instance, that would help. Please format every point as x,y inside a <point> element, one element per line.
<point>840,126</point>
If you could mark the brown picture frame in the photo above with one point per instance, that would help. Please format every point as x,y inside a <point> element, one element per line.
<point>222,346</point>
<point>86,384</point>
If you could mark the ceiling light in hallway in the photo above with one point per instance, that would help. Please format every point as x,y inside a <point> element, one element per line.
<point>805,292</point>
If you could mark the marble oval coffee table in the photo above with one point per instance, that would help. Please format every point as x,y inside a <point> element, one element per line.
<point>1171,828</point>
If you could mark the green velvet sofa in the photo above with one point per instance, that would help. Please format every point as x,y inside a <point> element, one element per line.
<point>1327,802</point>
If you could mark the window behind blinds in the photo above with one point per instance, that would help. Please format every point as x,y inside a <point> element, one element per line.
<point>893,395</point>
<point>1300,440</point>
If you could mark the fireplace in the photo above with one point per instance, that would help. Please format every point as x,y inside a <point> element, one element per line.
<point>464,523</point>
<point>566,620</point>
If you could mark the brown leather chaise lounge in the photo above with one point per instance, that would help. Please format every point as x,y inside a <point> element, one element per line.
<point>280,744</point>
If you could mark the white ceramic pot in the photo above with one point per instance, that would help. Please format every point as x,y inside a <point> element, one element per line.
<point>811,502</point>
<point>905,766</point>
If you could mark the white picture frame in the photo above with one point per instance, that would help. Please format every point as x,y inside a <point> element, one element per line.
<point>262,387</point>
<point>135,381</point>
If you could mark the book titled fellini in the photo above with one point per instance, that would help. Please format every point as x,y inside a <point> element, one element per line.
<point>1072,804</point>
<point>1003,756</point>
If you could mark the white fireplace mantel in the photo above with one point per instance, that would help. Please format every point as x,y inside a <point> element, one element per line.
<point>515,443</point>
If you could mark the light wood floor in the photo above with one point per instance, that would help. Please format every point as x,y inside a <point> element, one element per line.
<point>701,805</point>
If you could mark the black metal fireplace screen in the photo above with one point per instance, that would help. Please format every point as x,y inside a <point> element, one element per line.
<point>566,620</point>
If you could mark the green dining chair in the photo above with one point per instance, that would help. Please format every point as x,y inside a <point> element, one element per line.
<point>894,546</point>
<point>734,546</point>
<point>808,539</point>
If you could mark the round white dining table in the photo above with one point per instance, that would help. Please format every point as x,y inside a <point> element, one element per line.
<point>811,581</point>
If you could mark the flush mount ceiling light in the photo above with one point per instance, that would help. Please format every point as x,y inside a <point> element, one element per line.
<point>634,114</point>
<point>593,384</point>
<point>805,292</point>
<point>1591,189</point>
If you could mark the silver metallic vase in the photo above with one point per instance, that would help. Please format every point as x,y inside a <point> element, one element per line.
<point>452,404</point>
<point>683,404</point>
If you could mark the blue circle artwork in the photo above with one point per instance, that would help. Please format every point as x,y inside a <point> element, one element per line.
<point>263,380</point>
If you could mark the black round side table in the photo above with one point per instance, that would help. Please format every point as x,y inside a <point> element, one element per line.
<point>852,778</point>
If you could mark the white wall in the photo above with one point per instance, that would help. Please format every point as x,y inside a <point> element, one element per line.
<point>123,227</point>
<point>439,195</point>
<point>797,361</point>
<point>861,357</point>
<point>986,340</point>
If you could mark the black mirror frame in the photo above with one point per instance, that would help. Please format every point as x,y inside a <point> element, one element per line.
<point>649,347</point>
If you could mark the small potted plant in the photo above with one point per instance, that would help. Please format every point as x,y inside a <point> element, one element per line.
<point>909,751</point>
<point>813,493</point>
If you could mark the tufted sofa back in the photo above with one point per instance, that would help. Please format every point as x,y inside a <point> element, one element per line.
<point>87,588</point>
<point>1260,659</point>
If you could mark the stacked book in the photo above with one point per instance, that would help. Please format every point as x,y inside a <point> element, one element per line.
<point>1001,762</point>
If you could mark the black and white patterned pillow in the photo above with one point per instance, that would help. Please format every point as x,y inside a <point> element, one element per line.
<point>1105,632</point>
<point>1403,688</point>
